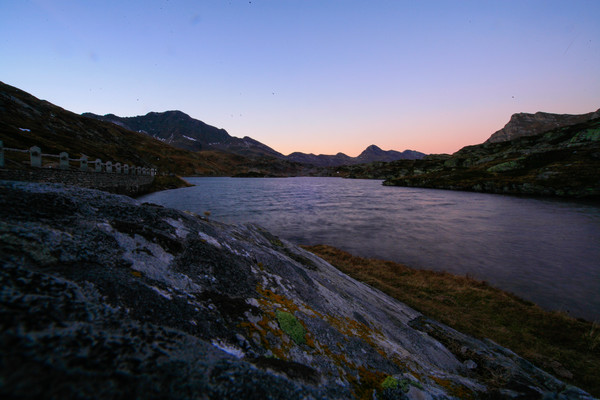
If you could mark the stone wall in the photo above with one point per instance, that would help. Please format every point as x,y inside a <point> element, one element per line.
<point>130,185</point>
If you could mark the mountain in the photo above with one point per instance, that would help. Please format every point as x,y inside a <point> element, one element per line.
<point>375,154</point>
<point>107,298</point>
<point>247,147</point>
<point>369,155</point>
<point>563,161</point>
<point>172,127</point>
<point>524,124</point>
<point>182,131</point>
<point>321,160</point>
<point>27,121</point>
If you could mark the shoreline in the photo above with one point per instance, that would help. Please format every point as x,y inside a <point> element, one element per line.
<point>162,183</point>
<point>132,251</point>
<point>566,346</point>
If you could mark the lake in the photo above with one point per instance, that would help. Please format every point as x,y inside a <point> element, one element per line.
<point>546,251</point>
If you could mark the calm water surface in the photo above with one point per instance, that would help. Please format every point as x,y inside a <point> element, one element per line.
<point>546,251</point>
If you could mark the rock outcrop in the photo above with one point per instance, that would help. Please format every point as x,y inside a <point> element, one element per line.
<point>104,297</point>
<point>524,124</point>
<point>562,162</point>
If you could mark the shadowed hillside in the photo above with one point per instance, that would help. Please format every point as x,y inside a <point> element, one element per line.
<point>27,121</point>
<point>184,132</point>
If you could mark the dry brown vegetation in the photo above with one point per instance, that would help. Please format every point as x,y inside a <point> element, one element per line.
<point>566,347</point>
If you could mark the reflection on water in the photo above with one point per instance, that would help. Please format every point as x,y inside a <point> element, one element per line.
<point>543,250</point>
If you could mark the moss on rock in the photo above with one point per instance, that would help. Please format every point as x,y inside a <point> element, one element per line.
<point>290,325</point>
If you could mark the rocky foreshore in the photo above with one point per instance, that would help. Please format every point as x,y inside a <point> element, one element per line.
<point>104,297</point>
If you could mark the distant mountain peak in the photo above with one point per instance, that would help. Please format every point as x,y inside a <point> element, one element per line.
<point>371,154</point>
<point>171,113</point>
<point>180,130</point>
<point>373,150</point>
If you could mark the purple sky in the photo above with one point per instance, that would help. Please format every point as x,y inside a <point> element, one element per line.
<point>313,76</point>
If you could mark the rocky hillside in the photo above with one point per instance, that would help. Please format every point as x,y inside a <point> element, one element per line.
<point>562,162</point>
<point>27,121</point>
<point>524,124</point>
<point>172,127</point>
<point>103,297</point>
<point>182,131</point>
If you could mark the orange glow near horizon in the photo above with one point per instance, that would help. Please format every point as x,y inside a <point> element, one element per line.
<point>299,76</point>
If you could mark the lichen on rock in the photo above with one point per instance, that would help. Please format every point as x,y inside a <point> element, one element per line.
<point>104,297</point>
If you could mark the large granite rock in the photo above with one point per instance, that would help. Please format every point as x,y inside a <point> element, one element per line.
<point>103,297</point>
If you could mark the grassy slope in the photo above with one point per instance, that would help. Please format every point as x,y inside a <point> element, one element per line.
<point>55,129</point>
<point>566,347</point>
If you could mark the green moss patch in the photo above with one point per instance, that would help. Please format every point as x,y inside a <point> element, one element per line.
<point>390,383</point>
<point>403,384</point>
<point>291,326</point>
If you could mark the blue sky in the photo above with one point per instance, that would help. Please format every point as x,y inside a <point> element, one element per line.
<point>313,76</point>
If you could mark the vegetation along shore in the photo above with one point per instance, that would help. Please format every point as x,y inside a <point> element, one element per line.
<point>567,347</point>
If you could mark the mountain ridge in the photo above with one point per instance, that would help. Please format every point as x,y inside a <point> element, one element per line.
<point>371,154</point>
<point>526,124</point>
<point>562,162</point>
<point>27,121</point>
<point>183,131</point>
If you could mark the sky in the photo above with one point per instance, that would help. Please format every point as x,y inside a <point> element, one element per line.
<point>316,76</point>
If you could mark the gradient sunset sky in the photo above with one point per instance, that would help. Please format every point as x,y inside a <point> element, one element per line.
<point>322,76</point>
